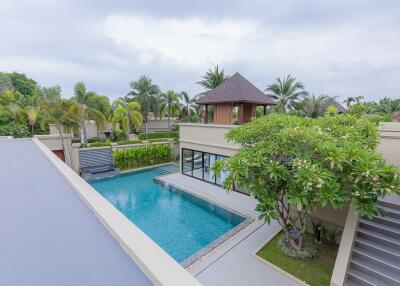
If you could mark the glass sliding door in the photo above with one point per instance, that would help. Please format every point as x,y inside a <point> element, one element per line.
<point>198,164</point>
<point>209,160</point>
<point>187,162</point>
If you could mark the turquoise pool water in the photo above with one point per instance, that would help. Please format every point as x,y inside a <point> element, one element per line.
<point>177,221</point>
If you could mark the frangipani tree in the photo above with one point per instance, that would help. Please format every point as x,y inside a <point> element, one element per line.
<point>127,113</point>
<point>293,164</point>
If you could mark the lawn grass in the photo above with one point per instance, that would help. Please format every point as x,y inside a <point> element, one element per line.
<point>315,272</point>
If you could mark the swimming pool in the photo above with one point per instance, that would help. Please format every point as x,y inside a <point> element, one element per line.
<point>180,223</point>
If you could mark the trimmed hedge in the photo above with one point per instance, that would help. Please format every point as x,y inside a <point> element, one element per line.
<point>127,142</point>
<point>142,156</point>
<point>158,135</point>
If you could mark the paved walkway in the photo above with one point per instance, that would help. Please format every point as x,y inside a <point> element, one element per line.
<point>233,262</point>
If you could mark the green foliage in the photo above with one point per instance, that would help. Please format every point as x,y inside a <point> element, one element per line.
<point>286,92</point>
<point>315,272</point>
<point>118,135</point>
<point>128,142</point>
<point>293,164</point>
<point>377,118</point>
<point>143,91</point>
<point>307,253</point>
<point>127,114</point>
<point>14,129</point>
<point>142,156</point>
<point>96,144</point>
<point>213,78</point>
<point>158,135</point>
<point>24,85</point>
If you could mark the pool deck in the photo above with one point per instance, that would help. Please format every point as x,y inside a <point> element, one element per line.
<point>233,263</point>
<point>48,236</point>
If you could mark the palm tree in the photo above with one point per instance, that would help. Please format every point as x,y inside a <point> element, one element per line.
<point>127,113</point>
<point>387,106</point>
<point>312,106</point>
<point>286,91</point>
<point>32,113</point>
<point>64,114</point>
<point>157,105</point>
<point>187,102</point>
<point>213,78</point>
<point>11,101</point>
<point>171,100</point>
<point>348,101</point>
<point>143,90</point>
<point>85,99</point>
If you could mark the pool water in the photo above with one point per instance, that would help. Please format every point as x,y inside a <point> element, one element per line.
<point>180,223</point>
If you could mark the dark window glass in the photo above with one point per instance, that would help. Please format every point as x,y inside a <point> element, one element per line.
<point>209,160</point>
<point>187,160</point>
<point>198,164</point>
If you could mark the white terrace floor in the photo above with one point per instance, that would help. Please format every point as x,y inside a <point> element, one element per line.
<point>233,263</point>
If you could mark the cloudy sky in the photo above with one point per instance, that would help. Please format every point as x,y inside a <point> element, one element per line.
<point>341,48</point>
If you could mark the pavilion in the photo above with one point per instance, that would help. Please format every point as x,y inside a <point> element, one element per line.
<point>233,102</point>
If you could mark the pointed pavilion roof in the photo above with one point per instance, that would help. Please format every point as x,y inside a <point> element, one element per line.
<point>236,89</point>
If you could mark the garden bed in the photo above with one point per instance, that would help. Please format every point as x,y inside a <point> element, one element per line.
<point>315,272</point>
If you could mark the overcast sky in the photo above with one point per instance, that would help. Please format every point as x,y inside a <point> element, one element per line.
<point>340,48</point>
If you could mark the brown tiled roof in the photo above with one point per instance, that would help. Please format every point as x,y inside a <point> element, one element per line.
<point>236,89</point>
<point>332,101</point>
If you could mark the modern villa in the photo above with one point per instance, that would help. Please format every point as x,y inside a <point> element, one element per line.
<point>168,224</point>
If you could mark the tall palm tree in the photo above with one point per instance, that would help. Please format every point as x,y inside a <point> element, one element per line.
<point>286,91</point>
<point>171,100</point>
<point>143,90</point>
<point>127,113</point>
<point>64,114</point>
<point>213,78</point>
<point>187,102</point>
<point>84,99</point>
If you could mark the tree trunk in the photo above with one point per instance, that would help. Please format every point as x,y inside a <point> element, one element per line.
<point>84,131</point>
<point>145,126</point>
<point>169,117</point>
<point>33,129</point>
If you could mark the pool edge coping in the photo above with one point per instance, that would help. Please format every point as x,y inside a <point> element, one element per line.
<point>214,245</point>
<point>153,261</point>
<point>221,239</point>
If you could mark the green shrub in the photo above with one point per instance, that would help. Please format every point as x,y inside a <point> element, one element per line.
<point>127,142</point>
<point>14,129</point>
<point>97,144</point>
<point>142,156</point>
<point>159,140</point>
<point>95,139</point>
<point>158,135</point>
<point>118,135</point>
<point>306,253</point>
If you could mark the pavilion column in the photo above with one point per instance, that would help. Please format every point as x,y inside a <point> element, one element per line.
<point>241,114</point>
<point>206,114</point>
<point>265,110</point>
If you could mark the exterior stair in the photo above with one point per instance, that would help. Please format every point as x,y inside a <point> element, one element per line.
<point>376,254</point>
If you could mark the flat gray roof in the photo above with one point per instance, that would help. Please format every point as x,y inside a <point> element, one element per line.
<point>48,236</point>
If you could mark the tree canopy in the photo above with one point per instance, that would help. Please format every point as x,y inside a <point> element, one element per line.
<point>293,164</point>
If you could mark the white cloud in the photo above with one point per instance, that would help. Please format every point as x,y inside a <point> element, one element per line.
<point>191,41</point>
